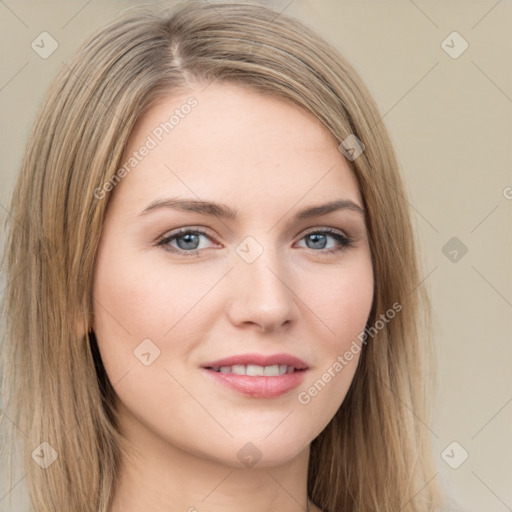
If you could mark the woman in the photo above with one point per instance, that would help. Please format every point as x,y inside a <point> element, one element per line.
<point>214,300</point>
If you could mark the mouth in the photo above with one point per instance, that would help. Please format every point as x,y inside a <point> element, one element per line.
<point>256,375</point>
<point>254,370</point>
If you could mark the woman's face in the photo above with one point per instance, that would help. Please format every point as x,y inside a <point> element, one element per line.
<point>181,282</point>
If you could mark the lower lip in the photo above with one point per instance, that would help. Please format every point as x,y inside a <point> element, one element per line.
<point>261,386</point>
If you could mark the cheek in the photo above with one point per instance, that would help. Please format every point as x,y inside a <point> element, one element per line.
<point>343,302</point>
<point>125,309</point>
<point>135,301</point>
<point>341,298</point>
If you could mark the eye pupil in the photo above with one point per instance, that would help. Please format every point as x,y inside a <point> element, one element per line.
<point>318,239</point>
<point>190,238</point>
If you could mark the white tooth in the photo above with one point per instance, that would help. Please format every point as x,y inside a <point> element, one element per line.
<point>254,370</point>
<point>282,369</point>
<point>271,370</point>
<point>238,369</point>
<point>225,369</point>
<point>290,369</point>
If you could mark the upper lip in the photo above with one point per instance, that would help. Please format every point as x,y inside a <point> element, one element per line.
<point>258,359</point>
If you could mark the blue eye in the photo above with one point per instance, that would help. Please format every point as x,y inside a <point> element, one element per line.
<point>187,241</point>
<point>319,240</point>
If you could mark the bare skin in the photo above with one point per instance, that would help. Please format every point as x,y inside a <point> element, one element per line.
<point>268,160</point>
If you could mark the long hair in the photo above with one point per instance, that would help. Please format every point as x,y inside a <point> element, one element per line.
<point>375,454</point>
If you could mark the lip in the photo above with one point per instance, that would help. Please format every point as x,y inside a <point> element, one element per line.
<point>260,386</point>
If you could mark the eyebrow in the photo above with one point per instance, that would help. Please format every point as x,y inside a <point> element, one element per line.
<point>225,212</point>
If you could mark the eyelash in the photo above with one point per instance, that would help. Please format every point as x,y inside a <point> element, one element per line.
<point>345,241</point>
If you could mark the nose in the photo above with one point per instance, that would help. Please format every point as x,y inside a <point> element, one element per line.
<point>262,294</point>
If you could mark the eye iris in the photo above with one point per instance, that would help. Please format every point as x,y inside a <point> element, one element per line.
<point>318,240</point>
<point>190,238</point>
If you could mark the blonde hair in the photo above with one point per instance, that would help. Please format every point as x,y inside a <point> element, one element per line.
<point>375,453</point>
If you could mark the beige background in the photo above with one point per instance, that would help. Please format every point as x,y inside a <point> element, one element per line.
<point>451,121</point>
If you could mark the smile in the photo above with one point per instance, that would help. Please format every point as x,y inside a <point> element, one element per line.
<point>258,375</point>
<point>255,370</point>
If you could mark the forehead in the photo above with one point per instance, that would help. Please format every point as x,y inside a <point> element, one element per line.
<point>232,143</point>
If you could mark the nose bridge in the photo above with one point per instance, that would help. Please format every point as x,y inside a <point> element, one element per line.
<point>261,292</point>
